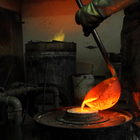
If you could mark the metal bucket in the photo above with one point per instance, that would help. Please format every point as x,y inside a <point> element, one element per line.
<point>82,84</point>
<point>54,62</point>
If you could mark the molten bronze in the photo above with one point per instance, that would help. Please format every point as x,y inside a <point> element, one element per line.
<point>79,116</point>
<point>104,95</point>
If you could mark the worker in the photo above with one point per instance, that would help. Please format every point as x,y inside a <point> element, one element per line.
<point>91,15</point>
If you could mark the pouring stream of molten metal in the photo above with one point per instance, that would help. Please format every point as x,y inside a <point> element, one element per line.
<point>104,95</point>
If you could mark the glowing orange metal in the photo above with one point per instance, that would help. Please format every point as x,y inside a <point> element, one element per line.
<point>104,95</point>
<point>82,111</point>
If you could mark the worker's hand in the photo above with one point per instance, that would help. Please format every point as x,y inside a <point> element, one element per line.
<point>92,14</point>
<point>89,18</point>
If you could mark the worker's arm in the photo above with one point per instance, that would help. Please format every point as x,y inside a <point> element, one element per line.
<point>92,14</point>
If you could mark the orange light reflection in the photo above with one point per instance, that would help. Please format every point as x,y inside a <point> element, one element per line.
<point>104,95</point>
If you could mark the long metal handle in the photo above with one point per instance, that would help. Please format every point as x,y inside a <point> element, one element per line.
<point>100,44</point>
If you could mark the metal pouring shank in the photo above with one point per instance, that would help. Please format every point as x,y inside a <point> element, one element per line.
<point>100,45</point>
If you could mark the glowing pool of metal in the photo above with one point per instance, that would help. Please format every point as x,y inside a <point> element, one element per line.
<point>78,110</point>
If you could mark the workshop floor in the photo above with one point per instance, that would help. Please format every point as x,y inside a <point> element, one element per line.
<point>12,132</point>
<point>29,129</point>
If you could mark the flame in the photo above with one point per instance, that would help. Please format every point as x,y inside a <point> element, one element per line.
<point>60,36</point>
<point>104,95</point>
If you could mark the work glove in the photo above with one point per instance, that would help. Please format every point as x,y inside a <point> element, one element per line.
<point>92,14</point>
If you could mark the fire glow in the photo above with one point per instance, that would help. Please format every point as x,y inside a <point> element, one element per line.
<point>60,36</point>
<point>103,96</point>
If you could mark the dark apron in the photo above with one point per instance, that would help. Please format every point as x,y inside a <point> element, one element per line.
<point>130,49</point>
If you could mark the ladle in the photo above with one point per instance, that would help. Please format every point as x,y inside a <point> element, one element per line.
<point>107,88</point>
